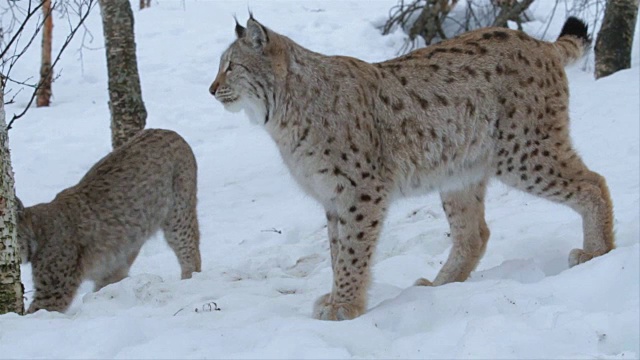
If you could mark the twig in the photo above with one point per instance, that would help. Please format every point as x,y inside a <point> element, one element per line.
<point>553,12</point>
<point>23,83</point>
<point>427,25</point>
<point>207,307</point>
<point>272,230</point>
<point>176,313</point>
<point>13,98</point>
<point>20,29</point>
<point>14,58</point>
<point>15,117</point>
<point>511,11</point>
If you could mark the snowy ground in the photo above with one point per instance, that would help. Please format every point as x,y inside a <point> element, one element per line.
<point>264,248</point>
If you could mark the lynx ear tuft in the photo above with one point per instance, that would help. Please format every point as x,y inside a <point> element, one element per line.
<point>240,30</point>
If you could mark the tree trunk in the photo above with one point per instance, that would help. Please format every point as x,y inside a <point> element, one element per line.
<point>46,73</point>
<point>145,4</point>
<point>128,114</point>
<point>11,289</point>
<point>615,39</point>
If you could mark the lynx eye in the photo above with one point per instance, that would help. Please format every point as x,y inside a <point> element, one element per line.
<point>230,65</point>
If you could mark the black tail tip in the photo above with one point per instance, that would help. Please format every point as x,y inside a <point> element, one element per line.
<point>576,27</point>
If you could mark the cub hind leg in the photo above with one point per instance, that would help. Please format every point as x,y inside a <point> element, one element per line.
<point>183,236</point>
<point>181,229</point>
<point>548,167</point>
<point>117,274</point>
<point>465,212</point>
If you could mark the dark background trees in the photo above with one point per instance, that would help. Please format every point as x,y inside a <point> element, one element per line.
<point>615,38</point>
<point>432,21</point>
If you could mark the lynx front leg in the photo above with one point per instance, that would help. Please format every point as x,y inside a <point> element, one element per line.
<point>332,229</point>
<point>358,226</point>
<point>469,231</point>
<point>56,280</point>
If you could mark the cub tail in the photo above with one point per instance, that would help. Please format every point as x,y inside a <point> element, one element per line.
<point>574,40</point>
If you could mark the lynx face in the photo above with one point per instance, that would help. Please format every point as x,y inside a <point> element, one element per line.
<point>244,80</point>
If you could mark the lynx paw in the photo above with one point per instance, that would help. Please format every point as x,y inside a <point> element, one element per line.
<point>323,309</point>
<point>37,305</point>
<point>579,256</point>
<point>32,309</point>
<point>422,282</point>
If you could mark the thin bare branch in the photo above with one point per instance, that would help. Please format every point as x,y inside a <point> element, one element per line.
<point>68,39</point>
<point>511,10</point>
<point>18,33</point>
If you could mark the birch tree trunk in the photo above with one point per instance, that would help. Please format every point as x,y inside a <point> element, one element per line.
<point>128,114</point>
<point>46,73</point>
<point>11,289</point>
<point>615,38</point>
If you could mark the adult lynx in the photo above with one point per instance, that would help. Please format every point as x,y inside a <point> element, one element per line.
<point>355,136</point>
<point>95,229</point>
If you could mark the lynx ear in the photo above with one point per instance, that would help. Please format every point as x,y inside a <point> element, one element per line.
<point>19,206</point>
<point>257,34</point>
<point>240,30</point>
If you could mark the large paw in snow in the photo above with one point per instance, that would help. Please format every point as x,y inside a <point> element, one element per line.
<point>579,256</point>
<point>422,282</point>
<point>323,309</point>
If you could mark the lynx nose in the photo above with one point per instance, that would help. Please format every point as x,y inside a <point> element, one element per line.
<point>214,87</point>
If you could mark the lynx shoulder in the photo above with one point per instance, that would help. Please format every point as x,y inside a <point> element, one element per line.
<point>95,229</point>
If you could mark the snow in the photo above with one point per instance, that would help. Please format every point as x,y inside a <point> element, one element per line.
<point>264,247</point>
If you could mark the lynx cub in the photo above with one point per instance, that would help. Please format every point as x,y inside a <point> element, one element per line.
<point>95,229</point>
<point>356,136</point>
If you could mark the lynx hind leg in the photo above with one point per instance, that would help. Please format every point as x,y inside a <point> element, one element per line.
<point>181,228</point>
<point>552,170</point>
<point>112,278</point>
<point>183,236</point>
<point>359,221</point>
<point>56,279</point>
<point>118,274</point>
<point>465,212</point>
<point>594,204</point>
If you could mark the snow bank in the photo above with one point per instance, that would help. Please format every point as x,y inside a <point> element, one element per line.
<point>264,249</point>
